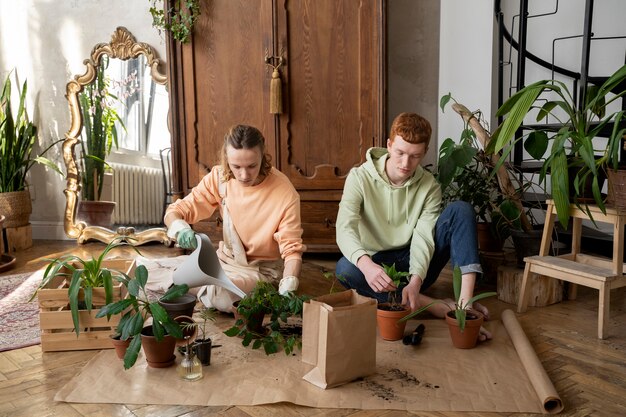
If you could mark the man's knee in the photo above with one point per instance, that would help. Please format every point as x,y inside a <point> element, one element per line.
<point>461,209</point>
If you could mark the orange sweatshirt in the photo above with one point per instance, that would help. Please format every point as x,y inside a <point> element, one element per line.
<point>266,216</point>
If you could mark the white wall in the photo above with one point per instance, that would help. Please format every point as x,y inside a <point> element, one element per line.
<point>46,41</point>
<point>466,66</point>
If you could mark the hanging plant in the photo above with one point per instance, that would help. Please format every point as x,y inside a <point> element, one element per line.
<point>182,16</point>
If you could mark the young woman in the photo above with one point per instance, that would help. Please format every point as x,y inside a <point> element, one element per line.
<point>262,232</point>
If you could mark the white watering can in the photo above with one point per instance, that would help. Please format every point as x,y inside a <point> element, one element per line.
<point>203,267</point>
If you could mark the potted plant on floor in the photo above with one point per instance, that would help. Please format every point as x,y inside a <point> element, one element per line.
<point>463,322</point>
<point>157,338</point>
<point>278,332</point>
<point>202,344</point>
<point>572,140</point>
<point>388,314</point>
<point>18,135</point>
<point>100,120</point>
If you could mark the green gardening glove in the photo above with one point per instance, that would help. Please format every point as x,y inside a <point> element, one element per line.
<point>186,239</point>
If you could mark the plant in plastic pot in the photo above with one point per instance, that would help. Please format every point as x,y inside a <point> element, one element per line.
<point>202,345</point>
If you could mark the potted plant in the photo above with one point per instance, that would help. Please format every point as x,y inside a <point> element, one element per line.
<point>468,171</point>
<point>85,278</point>
<point>202,345</point>
<point>388,314</point>
<point>158,338</point>
<point>179,19</point>
<point>572,144</point>
<point>99,114</point>
<point>17,139</point>
<point>278,333</point>
<point>464,323</point>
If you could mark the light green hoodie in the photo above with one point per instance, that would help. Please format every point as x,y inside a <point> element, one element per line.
<point>375,215</point>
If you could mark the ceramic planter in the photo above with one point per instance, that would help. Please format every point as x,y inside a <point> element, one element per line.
<point>181,306</point>
<point>387,321</point>
<point>469,336</point>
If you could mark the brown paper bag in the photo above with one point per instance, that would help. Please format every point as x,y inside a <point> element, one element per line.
<point>339,338</point>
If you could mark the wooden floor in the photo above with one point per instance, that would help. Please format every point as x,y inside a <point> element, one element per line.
<point>589,374</point>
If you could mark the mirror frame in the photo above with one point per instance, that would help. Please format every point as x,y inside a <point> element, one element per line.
<point>122,46</point>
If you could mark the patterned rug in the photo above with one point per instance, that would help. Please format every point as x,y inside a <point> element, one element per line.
<point>19,319</point>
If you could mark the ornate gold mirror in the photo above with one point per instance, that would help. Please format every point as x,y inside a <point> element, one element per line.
<point>110,103</point>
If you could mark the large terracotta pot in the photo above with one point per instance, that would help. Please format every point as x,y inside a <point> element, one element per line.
<point>468,338</point>
<point>158,354</point>
<point>387,321</point>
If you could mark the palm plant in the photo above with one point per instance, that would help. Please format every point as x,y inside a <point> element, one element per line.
<point>17,139</point>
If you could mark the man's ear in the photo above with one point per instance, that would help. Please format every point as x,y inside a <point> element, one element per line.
<point>389,142</point>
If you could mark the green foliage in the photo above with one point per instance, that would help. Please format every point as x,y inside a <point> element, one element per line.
<point>85,274</point>
<point>17,138</point>
<point>580,125</point>
<point>179,20</point>
<point>334,280</point>
<point>137,307</point>
<point>461,306</point>
<point>398,278</point>
<point>206,314</point>
<point>265,299</point>
<point>100,132</point>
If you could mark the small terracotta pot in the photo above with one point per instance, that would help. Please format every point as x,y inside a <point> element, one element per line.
<point>387,320</point>
<point>468,338</point>
<point>120,345</point>
<point>190,333</point>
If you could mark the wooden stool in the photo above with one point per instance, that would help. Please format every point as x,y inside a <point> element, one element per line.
<point>578,268</point>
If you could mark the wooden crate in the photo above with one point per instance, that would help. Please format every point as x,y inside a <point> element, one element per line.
<point>55,317</point>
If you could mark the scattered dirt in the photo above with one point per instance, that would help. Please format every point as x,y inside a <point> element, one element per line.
<point>392,385</point>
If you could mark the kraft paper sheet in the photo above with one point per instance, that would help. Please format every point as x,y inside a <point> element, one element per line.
<point>502,375</point>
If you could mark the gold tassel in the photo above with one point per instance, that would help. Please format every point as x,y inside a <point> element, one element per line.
<point>276,95</point>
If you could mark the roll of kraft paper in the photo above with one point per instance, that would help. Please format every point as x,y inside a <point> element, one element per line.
<point>536,373</point>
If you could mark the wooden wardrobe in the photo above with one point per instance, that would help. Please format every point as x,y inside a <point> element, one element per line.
<point>333,95</point>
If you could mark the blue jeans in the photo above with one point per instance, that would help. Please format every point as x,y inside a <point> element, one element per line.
<point>455,239</point>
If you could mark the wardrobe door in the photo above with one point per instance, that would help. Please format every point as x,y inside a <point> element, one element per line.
<point>333,89</point>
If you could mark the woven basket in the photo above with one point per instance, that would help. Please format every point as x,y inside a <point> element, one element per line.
<point>16,207</point>
<point>617,189</point>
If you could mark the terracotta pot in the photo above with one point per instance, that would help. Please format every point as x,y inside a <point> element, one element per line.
<point>387,321</point>
<point>487,242</point>
<point>468,338</point>
<point>120,345</point>
<point>189,333</point>
<point>181,306</point>
<point>158,354</point>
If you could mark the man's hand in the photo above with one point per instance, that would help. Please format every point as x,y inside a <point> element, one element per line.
<point>186,239</point>
<point>484,334</point>
<point>482,309</point>
<point>375,275</point>
<point>411,293</point>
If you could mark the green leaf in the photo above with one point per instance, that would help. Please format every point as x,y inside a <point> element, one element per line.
<point>232,332</point>
<point>443,101</point>
<point>536,144</point>
<point>72,293</point>
<point>132,352</point>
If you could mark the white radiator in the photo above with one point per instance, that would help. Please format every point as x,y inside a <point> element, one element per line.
<point>138,192</point>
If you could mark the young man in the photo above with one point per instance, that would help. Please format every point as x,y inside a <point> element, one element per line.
<point>390,213</point>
